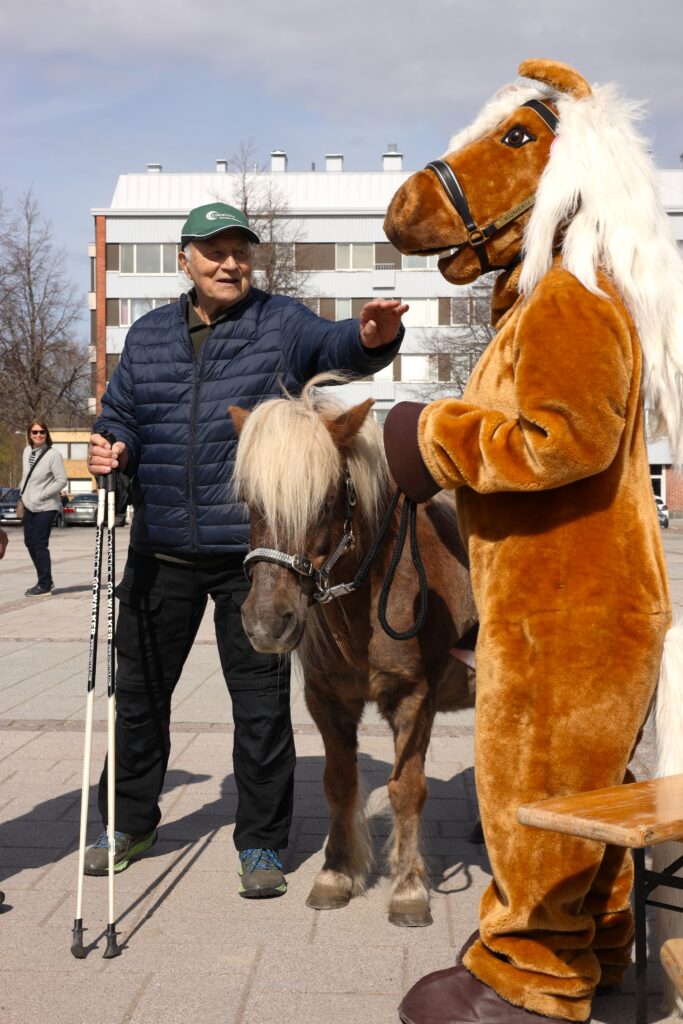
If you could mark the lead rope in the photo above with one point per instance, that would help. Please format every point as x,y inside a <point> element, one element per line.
<point>408,520</point>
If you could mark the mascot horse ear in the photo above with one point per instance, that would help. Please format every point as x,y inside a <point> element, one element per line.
<point>559,76</point>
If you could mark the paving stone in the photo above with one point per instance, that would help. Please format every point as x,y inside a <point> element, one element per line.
<point>177,998</point>
<point>193,949</point>
<point>67,997</point>
<point>349,1008</point>
<point>333,968</point>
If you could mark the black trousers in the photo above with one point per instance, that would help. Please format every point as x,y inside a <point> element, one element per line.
<point>37,527</point>
<point>161,605</point>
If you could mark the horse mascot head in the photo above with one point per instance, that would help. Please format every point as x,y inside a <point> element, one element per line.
<point>552,188</point>
<point>553,167</point>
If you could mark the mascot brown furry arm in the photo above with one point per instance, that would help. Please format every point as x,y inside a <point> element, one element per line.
<point>547,454</point>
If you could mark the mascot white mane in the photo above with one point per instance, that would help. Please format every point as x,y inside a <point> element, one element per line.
<point>598,179</point>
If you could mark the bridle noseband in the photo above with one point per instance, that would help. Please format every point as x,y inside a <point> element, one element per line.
<point>478,236</point>
<point>325,591</point>
<point>301,564</point>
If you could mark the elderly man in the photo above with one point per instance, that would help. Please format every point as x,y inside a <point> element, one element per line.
<point>225,343</point>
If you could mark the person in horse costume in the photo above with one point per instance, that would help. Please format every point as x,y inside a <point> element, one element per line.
<point>551,187</point>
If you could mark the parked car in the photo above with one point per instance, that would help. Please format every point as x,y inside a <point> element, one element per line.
<point>8,507</point>
<point>662,512</point>
<point>59,514</point>
<point>81,510</point>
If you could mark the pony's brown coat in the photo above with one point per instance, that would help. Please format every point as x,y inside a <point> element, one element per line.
<point>347,659</point>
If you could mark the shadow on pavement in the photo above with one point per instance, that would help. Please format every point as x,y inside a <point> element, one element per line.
<point>53,811</point>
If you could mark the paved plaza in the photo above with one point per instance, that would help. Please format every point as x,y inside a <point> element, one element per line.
<point>194,951</point>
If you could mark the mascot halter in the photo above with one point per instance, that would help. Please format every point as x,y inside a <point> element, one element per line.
<point>476,236</point>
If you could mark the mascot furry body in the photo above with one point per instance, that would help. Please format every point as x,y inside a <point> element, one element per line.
<point>547,454</point>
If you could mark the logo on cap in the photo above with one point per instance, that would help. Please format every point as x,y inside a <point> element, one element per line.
<point>215,215</point>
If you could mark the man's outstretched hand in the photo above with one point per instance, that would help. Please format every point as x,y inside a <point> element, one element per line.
<point>380,321</point>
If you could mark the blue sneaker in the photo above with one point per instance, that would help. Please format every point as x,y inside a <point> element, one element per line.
<point>261,874</point>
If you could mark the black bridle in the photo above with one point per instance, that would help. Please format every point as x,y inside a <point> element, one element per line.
<point>324,589</point>
<point>478,236</point>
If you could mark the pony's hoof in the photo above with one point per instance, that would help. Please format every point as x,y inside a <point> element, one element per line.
<point>326,898</point>
<point>411,915</point>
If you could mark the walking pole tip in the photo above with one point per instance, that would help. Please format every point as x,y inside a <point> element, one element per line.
<point>112,949</point>
<point>77,941</point>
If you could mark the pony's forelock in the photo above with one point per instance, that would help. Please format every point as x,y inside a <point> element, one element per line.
<point>287,464</point>
<point>599,188</point>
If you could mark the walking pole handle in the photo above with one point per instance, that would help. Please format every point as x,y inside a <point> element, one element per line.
<point>108,480</point>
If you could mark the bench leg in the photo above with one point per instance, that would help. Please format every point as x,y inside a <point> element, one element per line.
<point>639,896</point>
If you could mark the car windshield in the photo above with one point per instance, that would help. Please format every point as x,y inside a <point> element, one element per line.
<point>84,499</point>
<point>12,494</point>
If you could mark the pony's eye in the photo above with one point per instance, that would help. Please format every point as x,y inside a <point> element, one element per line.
<point>518,136</point>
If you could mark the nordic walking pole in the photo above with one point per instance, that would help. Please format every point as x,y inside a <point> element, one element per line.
<point>112,949</point>
<point>77,943</point>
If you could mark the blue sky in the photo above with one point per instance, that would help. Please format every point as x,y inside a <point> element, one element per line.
<point>91,88</point>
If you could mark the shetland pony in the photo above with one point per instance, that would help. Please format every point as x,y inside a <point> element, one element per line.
<point>311,472</point>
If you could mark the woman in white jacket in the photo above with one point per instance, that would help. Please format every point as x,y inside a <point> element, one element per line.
<point>41,498</point>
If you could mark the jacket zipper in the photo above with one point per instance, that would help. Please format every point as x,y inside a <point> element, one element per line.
<point>198,366</point>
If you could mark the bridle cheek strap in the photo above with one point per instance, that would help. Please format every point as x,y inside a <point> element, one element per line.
<point>476,236</point>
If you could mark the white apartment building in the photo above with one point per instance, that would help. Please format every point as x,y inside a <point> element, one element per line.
<point>336,218</point>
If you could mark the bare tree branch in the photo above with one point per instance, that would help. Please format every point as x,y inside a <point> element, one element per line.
<point>255,193</point>
<point>454,351</point>
<point>43,366</point>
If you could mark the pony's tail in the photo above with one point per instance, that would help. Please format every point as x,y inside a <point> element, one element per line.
<point>669,729</point>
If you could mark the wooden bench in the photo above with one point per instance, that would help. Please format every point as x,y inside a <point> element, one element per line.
<point>637,815</point>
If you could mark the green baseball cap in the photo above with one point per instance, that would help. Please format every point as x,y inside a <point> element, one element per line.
<point>204,221</point>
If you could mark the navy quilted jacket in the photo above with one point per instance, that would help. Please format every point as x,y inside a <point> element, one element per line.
<point>171,410</point>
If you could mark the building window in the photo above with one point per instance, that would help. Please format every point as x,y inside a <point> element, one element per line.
<point>387,373</point>
<point>72,450</point>
<point>422,313</point>
<point>420,262</point>
<point>414,368</point>
<point>472,308</point>
<point>79,486</point>
<point>343,310</point>
<point>327,308</point>
<point>355,256</point>
<point>148,258</point>
<point>124,312</point>
<point>314,256</point>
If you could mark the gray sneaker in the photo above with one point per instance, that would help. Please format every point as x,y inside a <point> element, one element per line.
<point>125,849</point>
<point>261,873</point>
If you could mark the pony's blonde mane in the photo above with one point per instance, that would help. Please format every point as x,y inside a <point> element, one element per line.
<point>287,464</point>
<point>600,186</point>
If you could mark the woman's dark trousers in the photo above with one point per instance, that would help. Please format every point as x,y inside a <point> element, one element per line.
<point>37,526</point>
<point>161,605</point>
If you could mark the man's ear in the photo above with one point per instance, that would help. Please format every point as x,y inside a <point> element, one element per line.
<point>182,263</point>
<point>239,416</point>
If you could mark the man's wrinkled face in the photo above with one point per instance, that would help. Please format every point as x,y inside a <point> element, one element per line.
<point>220,269</point>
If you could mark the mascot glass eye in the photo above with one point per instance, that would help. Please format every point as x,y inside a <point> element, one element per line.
<point>518,136</point>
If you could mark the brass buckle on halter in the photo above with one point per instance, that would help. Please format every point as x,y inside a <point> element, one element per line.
<point>476,237</point>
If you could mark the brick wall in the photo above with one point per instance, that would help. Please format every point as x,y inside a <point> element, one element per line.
<point>100,308</point>
<point>674,491</point>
